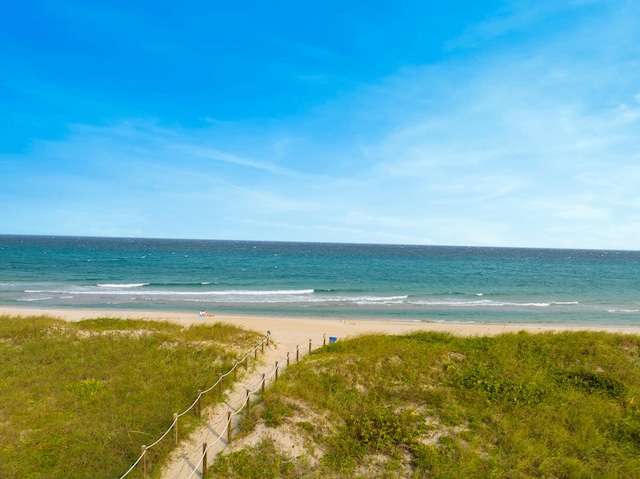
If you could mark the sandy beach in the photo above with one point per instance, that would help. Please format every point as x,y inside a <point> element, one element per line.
<point>291,331</point>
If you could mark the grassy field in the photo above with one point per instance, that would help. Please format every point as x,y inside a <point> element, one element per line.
<point>432,405</point>
<point>78,400</point>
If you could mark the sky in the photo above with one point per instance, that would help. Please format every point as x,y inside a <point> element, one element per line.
<point>495,123</point>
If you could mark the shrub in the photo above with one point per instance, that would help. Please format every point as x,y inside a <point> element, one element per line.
<point>500,388</point>
<point>86,388</point>
<point>381,429</point>
<point>275,412</point>
<point>256,462</point>
<point>592,383</point>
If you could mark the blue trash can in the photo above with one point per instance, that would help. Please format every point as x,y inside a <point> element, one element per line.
<point>332,339</point>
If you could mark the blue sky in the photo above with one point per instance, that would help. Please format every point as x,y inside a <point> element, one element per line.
<point>493,123</point>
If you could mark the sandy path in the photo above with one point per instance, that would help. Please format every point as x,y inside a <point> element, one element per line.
<point>185,461</point>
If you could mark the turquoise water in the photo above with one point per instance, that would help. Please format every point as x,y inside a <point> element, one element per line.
<point>421,283</point>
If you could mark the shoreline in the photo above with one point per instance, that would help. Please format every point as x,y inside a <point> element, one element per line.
<point>289,330</point>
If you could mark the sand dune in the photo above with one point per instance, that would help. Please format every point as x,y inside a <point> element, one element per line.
<point>291,331</point>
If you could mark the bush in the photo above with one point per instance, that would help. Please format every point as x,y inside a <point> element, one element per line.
<point>592,383</point>
<point>381,429</point>
<point>500,388</point>
<point>256,462</point>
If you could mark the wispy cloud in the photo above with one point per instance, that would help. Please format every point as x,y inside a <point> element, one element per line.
<point>214,154</point>
<point>522,16</point>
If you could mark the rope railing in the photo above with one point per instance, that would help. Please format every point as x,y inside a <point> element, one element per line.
<point>193,405</point>
<point>196,463</point>
<point>201,463</point>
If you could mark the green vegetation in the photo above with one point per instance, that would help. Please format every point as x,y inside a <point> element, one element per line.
<point>79,399</point>
<point>433,405</point>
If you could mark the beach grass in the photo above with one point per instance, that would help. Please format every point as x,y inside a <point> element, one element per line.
<point>517,405</point>
<point>79,399</point>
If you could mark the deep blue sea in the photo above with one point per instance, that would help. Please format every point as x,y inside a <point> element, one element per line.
<point>418,283</point>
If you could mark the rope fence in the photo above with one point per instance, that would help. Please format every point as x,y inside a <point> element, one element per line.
<point>201,462</point>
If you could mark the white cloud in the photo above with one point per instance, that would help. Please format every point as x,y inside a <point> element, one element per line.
<point>214,154</point>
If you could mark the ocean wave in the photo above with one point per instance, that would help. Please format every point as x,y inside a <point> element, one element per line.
<point>142,292</point>
<point>230,296</point>
<point>480,303</point>
<point>368,300</point>
<point>268,293</point>
<point>124,292</point>
<point>30,300</point>
<point>379,298</point>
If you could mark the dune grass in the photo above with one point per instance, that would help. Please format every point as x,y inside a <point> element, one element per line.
<point>562,405</point>
<point>79,399</point>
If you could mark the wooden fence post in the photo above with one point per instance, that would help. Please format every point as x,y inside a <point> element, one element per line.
<point>248,402</point>
<point>228,427</point>
<point>287,358</point>
<point>175,425</point>
<point>297,353</point>
<point>324,340</point>
<point>309,346</point>
<point>144,461</point>
<point>204,459</point>
<point>276,370</point>
<point>246,363</point>
<point>263,384</point>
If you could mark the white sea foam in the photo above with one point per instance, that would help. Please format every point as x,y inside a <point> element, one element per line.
<point>375,299</point>
<point>29,300</point>
<point>480,303</point>
<point>268,293</point>
<point>133,291</point>
<point>115,291</point>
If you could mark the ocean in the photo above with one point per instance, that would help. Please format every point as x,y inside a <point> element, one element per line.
<point>342,281</point>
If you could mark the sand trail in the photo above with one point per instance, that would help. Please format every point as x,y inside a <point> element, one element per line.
<point>186,460</point>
